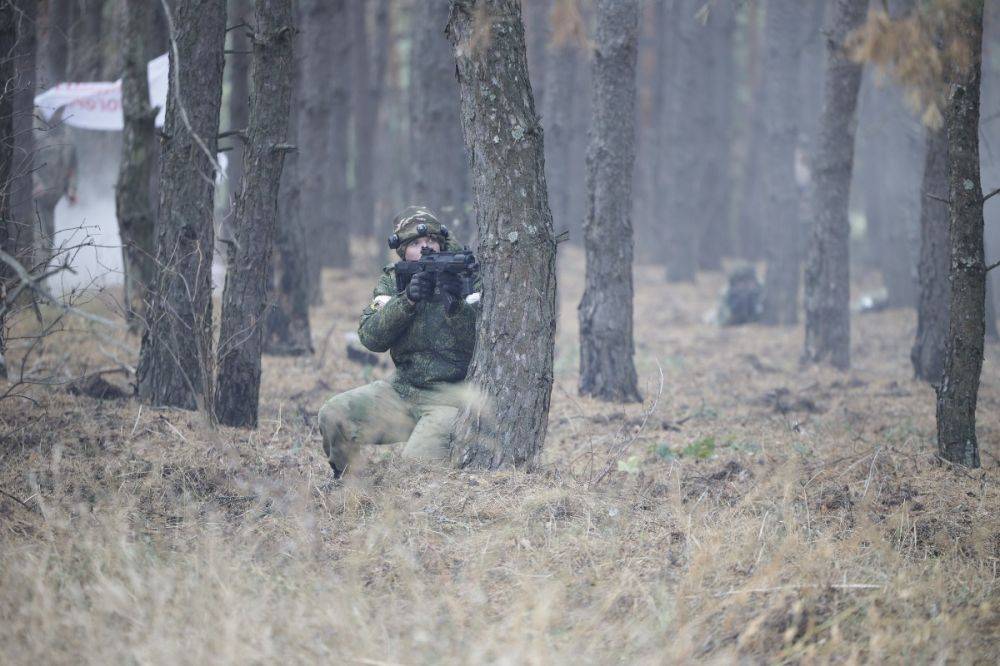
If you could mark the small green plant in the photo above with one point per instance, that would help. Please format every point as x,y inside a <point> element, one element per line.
<point>701,449</point>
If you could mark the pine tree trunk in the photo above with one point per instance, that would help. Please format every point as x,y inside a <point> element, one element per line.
<point>782,30</point>
<point>244,297</point>
<point>238,71</point>
<point>439,167</point>
<point>927,353</point>
<point>828,278</point>
<point>512,364</point>
<point>287,331</point>
<point>365,115</point>
<point>607,370</point>
<point>133,193</point>
<point>957,395</point>
<point>336,239</point>
<point>560,81</point>
<point>175,364</point>
<point>21,195</point>
<point>683,217</point>
<point>8,45</point>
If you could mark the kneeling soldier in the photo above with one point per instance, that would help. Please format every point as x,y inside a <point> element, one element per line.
<point>430,343</point>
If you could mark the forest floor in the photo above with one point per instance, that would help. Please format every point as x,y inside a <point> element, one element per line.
<point>751,510</point>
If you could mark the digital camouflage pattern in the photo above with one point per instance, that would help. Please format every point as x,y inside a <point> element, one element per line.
<point>431,351</point>
<point>404,227</point>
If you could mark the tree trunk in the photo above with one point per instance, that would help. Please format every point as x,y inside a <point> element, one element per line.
<point>607,371</point>
<point>963,363</point>
<point>175,363</point>
<point>560,81</point>
<point>287,331</point>
<point>336,238</point>
<point>512,364</point>
<point>440,170</point>
<point>8,46</point>
<point>133,193</point>
<point>537,30</point>
<point>828,276</point>
<point>83,62</point>
<point>53,43</point>
<point>927,353</point>
<point>782,30</point>
<point>244,297</point>
<point>21,195</point>
<point>238,71</point>
<point>750,234</point>
<point>365,111</point>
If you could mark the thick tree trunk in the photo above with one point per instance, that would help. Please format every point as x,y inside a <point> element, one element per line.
<point>512,364</point>
<point>244,296</point>
<point>21,195</point>
<point>440,170</point>
<point>782,30</point>
<point>959,389</point>
<point>927,353</point>
<point>8,45</point>
<point>365,114</point>
<point>607,370</point>
<point>287,331</point>
<point>175,364</point>
<point>827,282</point>
<point>133,193</point>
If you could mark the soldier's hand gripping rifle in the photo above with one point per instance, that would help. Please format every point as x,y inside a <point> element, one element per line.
<point>461,264</point>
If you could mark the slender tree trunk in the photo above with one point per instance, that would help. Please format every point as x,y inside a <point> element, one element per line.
<point>238,71</point>
<point>337,201</point>
<point>607,370</point>
<point>512,364</point>
<point>21,196</point>
<point>828,278</point>
<point>927,353</point>
<point>244,297</point>
<point>365,111</point>
<point>537,30</point>
<point>133,193</point>
<point>84,62</point>
<point>750,232</point>
<point>560,81</point>
<point>959,389</point>
<point>440,170</point>
<point>782,30</point>
<point>53,44</point>
<point>8,46</point>
<point>175,363</point>
<point>287,330</point>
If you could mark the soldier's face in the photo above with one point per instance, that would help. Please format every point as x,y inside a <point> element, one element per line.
<point>412,251</point>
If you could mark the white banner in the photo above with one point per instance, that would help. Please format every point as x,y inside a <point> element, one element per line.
<point>98,105</point>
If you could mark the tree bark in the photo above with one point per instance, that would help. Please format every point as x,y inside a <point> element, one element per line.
<point>175,363</point>
<point>537,30</point>
<point>927,353</point>
<point>365,114</point>
<point>133,193</point>
<point>959,389</point>
<point>286,317</point>
<point>84,61</point>
<point>8,45</point>
<point>336,238</point>
<point>828,277</point>
<point>244,297</point>
<point>21,196</point>
<point>782,30</point>
<point>238,71</point>
<point>607,371</point>
<point>750,232</point>
<point>512,364</point>
<point>439,167</point>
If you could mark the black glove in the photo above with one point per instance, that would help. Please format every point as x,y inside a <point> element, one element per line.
<point>421,287</point>
<point>451,290</point>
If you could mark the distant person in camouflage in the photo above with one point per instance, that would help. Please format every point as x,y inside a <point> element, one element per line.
<point>430,347</point>
<point>54,178</point>
<point>742,302</point>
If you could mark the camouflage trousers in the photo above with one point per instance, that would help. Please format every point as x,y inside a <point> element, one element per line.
<point>381,413</point>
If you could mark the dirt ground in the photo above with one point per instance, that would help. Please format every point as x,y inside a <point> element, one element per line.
<point>749,510</point>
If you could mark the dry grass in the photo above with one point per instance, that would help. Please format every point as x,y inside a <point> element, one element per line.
<point>820,527</point>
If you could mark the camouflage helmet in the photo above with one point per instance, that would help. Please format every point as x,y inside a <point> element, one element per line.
<point>413,223</point>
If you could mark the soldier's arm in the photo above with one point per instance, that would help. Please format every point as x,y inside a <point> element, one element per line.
<point>386,317</point>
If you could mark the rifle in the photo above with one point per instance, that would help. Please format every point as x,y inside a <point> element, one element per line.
<point>462,263</point>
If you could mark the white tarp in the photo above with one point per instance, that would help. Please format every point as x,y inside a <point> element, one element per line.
<point>98,105</point>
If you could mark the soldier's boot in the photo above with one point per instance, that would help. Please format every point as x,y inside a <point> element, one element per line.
<point>371,414</point>
<point>431,438</point>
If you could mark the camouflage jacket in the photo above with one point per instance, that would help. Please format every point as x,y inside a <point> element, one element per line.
<point>426,345</point>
